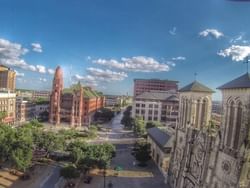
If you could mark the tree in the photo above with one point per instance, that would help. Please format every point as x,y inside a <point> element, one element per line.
<point>151,124</point>
<point>104,114</point>
<point>139,126</point>
<point>49,141</point>
<point>77,149</point>
<point>69,172</point>
<point>142,152</point>
<point>2,115</point>
<point>126,120</point>
<point>21,149</point>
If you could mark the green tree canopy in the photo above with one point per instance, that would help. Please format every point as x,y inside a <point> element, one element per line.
<point>142,152</point>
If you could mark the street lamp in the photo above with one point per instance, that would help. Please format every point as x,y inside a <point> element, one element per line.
<point>104,177</point>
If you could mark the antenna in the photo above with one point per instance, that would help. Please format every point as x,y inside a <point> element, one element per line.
<point>195,75</point>
<point>247,62</point>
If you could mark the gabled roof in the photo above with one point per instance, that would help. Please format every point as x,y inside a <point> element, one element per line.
<point>240,82</point>
<point>161,138</point>
<point>196,87</point>
<point>158,95</point>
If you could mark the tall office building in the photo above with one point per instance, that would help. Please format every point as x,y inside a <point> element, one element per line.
<point>146,85</point>
<point>7,78</point>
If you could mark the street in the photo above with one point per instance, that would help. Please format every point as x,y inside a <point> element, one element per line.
<point>142,177</point>
<point>52,179</point>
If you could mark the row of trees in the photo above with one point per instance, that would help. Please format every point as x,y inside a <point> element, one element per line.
<point>104,114</point>
<point>86,157</point>
<point>127,120</point>
<point>19,146</point>
<point>137,124</point>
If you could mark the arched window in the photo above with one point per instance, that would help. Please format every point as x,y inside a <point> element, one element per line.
<point>203,113</point>
<point>238,126</point>
<point>182,111</point>
<point>230,123</point>
<point>197,113</point>
<point>186,112</point>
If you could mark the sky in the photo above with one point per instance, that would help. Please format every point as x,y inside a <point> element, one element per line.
<point>108,43</point>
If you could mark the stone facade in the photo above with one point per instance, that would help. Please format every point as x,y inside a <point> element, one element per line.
<point>205,156</point>
<point>75,105</point>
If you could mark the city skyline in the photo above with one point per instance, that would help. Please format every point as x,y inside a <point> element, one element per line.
<point>108,44</point>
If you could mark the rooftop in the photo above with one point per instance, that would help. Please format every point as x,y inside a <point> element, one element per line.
<point>87,91</point>
<point>159,95</point>
<point>162,138</point>
<point>240,82</point>
<point>196,87</point>
<point>156,79</point>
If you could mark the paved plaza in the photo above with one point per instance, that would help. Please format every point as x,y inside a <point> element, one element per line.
<point>143,177</point>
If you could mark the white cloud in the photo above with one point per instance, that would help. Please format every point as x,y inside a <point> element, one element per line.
<point>36,47</point>
<point>11,54</point>
<point>172,31</point>
<point>19,74</point>
<point>106,75</point>
<point>51,71</point>
<point>211,32</point>
<point>43,79</point>
<point>135,64</point>
<point>179,58</point>
<point>96,75</point>
<point>41,69</point>
<point>171,63</point>
<point>236,39</point>
<point>236,52</point>
<point>87,80</point>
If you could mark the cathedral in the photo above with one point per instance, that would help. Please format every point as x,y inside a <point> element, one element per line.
<point>75,105</point>
<point>207,156</point>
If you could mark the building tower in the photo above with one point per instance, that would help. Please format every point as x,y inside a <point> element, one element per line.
<point>187,161</point>
<point>55,97</point>
<point>233,164</point>
<point>7,78</point>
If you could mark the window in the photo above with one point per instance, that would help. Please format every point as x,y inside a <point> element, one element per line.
<point>137,111</point>
<point>150,112</point>
<point>150,106</point>
<point>142,111</point>
<point>149,118</point>
<point>143,105</point>
<point>156,105</point>
<point>155,118</point>
<point>156,112</point>
<point>137,105</point>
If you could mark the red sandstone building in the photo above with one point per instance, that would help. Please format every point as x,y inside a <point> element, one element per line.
<point>75,105</point>
<point>146,85</point>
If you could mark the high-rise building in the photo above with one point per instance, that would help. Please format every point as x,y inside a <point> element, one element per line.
<point>7,78</point>
<point>75,105</point>
<point>145,85</point>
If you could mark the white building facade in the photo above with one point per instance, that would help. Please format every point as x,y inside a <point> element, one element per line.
<point>158,106</point>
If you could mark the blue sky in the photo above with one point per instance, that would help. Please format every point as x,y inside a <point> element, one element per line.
<point>108,43</point>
